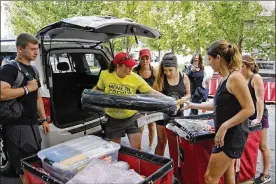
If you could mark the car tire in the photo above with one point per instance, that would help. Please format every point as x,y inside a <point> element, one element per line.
<point>5,164</point>
<point>142,102</point>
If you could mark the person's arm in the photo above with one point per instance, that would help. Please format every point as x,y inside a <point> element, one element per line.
<point>41,112</point>
<point>154,92</point>
<point>100,83</point>
<point>9,93</point>
<point>209,106</point>
<point>187,89</point>
<point>258,85</point>
<point>237,85</point>
<point>189,71</point>
<point>97,88</point>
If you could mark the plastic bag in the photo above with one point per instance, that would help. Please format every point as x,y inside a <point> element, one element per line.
<point>194,125</point>
<point>100,172</point>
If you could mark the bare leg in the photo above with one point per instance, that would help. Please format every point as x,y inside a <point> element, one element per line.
<point>151,128</point>
<point>161,140</point>
<point>142,130</point>
<point>135,140</point>
<point>117,140</point>
<point>229,175</point>
<point>265,151</point>
<point>218,165</point>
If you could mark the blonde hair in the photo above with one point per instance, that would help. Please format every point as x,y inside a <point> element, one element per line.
<point>250,62</point>
<point>228,51</point>
<point>158,84</point>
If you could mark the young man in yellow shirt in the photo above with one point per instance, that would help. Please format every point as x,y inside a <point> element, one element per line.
<point>119,79</point>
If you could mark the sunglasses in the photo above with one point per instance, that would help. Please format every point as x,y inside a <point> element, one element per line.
<point>124,59</point>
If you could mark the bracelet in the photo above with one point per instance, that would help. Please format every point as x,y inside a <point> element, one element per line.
<point>46,119</point>
<point>25,92</point>
<point>27,89</point>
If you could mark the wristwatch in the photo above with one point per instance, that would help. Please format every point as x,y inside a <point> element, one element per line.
<point>44,120</point>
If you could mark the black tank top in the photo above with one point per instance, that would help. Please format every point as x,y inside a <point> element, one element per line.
<point>227,106</point>
<point>252,92</point>
<point>177,91</point>
<point>150,80</point>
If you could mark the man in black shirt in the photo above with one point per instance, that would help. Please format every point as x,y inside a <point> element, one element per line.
<point>22,137</point>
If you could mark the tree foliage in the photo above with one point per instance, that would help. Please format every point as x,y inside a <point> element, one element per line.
<point>186,26</point>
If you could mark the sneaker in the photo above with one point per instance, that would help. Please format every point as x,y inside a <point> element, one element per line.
<point>262,179</point>
<point>149,150</point>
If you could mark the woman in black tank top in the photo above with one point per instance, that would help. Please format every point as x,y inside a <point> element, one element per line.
<point>232,106</point>
<point>256,88</point>
<point>172,83</point>
<point>148,73</point>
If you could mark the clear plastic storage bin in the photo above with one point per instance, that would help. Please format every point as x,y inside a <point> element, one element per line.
<point>65,160</point>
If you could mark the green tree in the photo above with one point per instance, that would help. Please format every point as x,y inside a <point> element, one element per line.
<point>185,26</point>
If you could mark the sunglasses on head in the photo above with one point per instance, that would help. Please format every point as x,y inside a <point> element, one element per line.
<point>125,58</point>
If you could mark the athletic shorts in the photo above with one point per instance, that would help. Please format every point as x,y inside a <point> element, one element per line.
<point>117,128</point>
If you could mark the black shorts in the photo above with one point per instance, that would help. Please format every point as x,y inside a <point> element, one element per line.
<point>21,143</point>
<point>234,142</point>
<point>117,128</point>
<point>233,153</point>
<point>161,123</point>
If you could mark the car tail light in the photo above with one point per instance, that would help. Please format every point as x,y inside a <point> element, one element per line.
<point>47,107</point>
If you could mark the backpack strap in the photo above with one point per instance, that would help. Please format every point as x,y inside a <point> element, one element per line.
<point>21,73</point>
<point>36,72</point>
<point>20,77</point>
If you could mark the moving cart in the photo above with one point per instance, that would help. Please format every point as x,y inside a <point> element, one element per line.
<point>191,151</point>
<point>158,170</point>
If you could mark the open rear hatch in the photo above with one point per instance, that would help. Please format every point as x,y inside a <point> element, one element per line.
<point>83,29</point>
<point>97,28</point>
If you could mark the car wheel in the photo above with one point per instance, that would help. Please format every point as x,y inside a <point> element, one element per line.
<point>143,102</point>
<point>5,164</point>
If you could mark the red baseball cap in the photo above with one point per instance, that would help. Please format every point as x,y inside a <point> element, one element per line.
<point>144,52</point>
<point>124,58</point>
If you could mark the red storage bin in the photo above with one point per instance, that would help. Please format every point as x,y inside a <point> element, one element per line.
<point>246,166</point>
<point>157,169</point>
<point>190,156</point>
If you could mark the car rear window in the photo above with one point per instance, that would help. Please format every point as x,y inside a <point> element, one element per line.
<point>76,62</point>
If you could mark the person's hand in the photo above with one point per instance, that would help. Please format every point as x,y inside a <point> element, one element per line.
<point>219,139</point>
<point>188,105</point>
<point>179,101</point>
<point>46,127</point>
<point>32,85</point>
<point>255,122</point>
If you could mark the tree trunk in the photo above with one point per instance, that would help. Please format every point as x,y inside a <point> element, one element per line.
<point>172,50</point>
<point>240,44</point>
<point>159,55</point>
<point>127,45</point>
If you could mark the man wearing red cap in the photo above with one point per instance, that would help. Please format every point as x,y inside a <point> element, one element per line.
<point>148,73</point>
<point>119,79</point>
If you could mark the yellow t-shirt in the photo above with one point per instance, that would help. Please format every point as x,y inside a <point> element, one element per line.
<point>111,83</point>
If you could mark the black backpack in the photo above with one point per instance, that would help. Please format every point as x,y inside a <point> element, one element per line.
<point>11,110</point>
